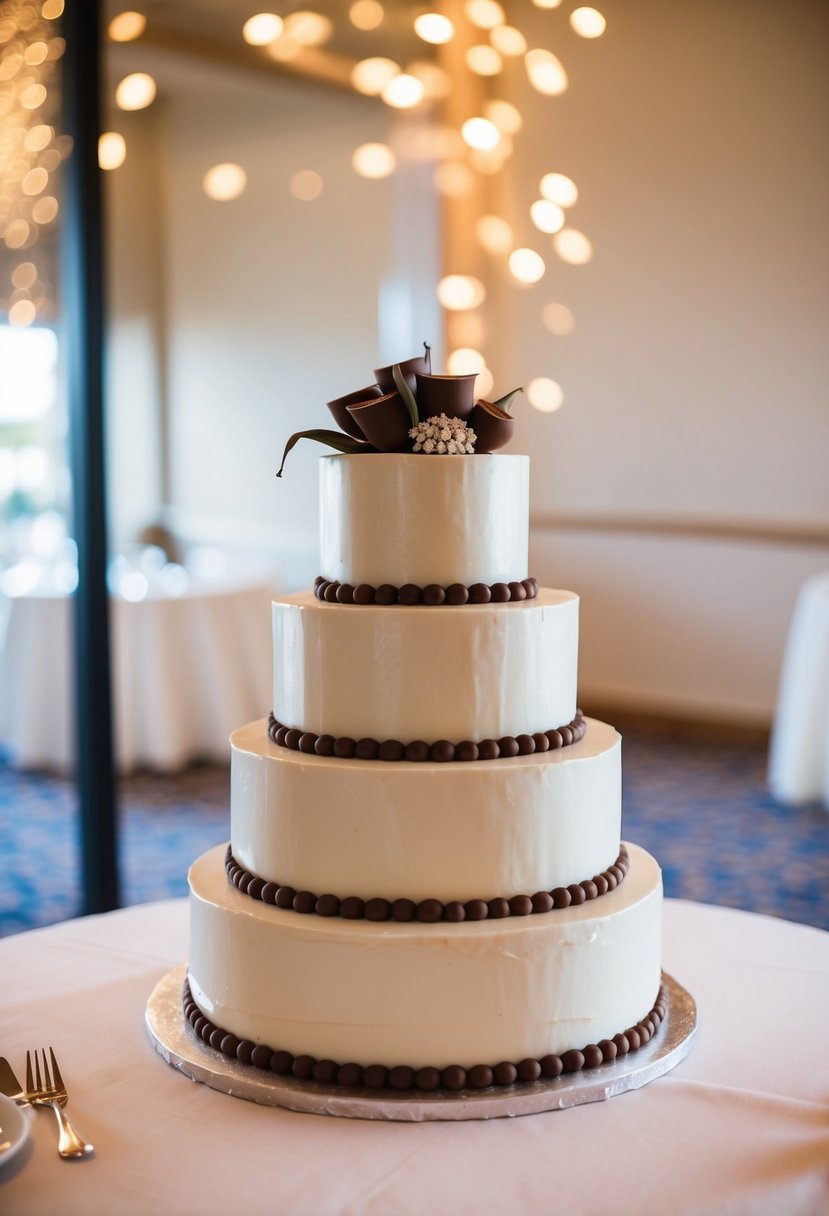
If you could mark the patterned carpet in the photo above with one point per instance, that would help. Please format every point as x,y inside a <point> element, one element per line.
<point>701,807</point>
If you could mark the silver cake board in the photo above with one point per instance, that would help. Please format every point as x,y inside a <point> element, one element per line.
<point>177,1043</point>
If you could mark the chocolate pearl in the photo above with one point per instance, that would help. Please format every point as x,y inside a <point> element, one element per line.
<point>526,745</point>
<point>385,594</point>
<point>228,1045</point>
<point>542,901</point>
<point>325,1071</point>
<point>324,745</point>
<point>454,912</point>
<point>206,1031</point>
<point>590,889</point>
<point>364,594</point>
<point>417,751</point>
<point>391,749</point>
<point>508,746</point>
<point>517,591</point>
<point>479,1077</point>
<point>600,883</point>
<point>500,593</point>
<point>403,910</point>
<point>467,750</point>
<point>433,594</point>
<point>498,908</point>
<point>352,908</point>
<point>367,749</point>
<point>280,735</point>
<point>308,743</point>
<point>476,909</point>
<point>520,905</point>
<point>427,1078</point>
<point>453,1077</point>
<point>542,743</point>
<point>303,1067</point>
<point>285,897</point>
<point>572,1061</point>
<point>256,887</point>
<point>320,588</point>
<point>479,593</point>
<point>622,1045</point>
<point>344,747</point>
<point>611,880</point>
<point>644,1033</point>
<point>488,749</point>
<point>330,595</point>
<point>244,1051</point>
<point>349,1074</point>
<point>551,1066</point>
<point>345,594</point>
<point>430,911</point>
<point>269,891</point>
<point>528,1070</point>
<point>561,897</point>
<point>534,582</point>
<point>216,1036</point>
<point>566,733</point>
<point>244,878</point>
<point>376,1076</point>
<point>577,895</point>
<point>530,588</point>
<point>593,1056</point>
<point>292,738</point>
<point>305,902</point>
<point>457,594</point>
<point>634,1038</point>
<point>401,1077</point>
<point>608,1049</point>
<point>555,739</point>
<point>282,1063</point>
<point>261,1056</point>
<point>618,873</point>
<point>505,1074</point>
<point>235,874</point>
<point>319,579</point>
<point>377,909</point>
<point>199,1023</point>
<point>327,905</point>
<point>410,593</point>
<point>442,751</point>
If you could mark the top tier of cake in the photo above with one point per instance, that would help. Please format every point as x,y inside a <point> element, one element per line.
<point>402,519</point>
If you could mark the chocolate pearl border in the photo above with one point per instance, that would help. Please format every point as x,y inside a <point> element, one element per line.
<point>451,1079</point>
<point>443,751</point>
<point>427,911</point>
<point>432,596</point>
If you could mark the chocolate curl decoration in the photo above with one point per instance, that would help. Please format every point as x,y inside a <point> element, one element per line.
<point>492,424</point>
<point>332,439</point>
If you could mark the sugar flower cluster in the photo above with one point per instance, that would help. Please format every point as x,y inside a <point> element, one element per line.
<point>443,436</point>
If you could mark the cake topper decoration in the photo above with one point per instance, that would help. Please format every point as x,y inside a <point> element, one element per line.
<point>410,409</point>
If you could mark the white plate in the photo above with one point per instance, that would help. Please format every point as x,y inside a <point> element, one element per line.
<point>14,1127</point>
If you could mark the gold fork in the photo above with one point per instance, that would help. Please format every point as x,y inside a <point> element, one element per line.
<point>51,1091</point>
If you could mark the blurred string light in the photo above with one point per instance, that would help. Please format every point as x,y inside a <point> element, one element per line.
<point>479,145</point>
<point>31,152</point>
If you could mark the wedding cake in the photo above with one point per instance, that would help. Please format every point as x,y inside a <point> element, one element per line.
<point>426,887</point>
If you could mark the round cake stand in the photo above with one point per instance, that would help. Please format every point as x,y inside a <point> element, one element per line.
<point>180,1047</point>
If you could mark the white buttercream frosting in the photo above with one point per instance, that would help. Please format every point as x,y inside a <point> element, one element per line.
<point>421,831</point>
<point>424,519</point>
<point>416,994</point>
<point>473,672</point>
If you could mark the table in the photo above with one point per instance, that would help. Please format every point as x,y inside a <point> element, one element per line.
<point>799,755</point>
<point>739,1128</point>
<point>187,670</point>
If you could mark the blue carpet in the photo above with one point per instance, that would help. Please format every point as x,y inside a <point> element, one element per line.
<point>700,807</point>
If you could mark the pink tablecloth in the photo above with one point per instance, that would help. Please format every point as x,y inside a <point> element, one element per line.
<point>740,1127</point>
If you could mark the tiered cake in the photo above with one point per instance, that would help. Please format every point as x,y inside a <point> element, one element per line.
<point>425,886</point>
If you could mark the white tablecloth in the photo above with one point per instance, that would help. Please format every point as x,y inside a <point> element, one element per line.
<point>799,756</point>
<point>741,1127</point>
<point>186,671</point>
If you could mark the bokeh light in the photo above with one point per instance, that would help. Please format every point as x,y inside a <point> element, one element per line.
<point>483,60</point>
<point>135,92</point>
<point>262,28</point>
<point>545,395</point>
<point>308,28</point>
<point>465,360</point>
<point>547,216</point>
<point>558,319</point>
<point>127,26</point>
<point>558,189</point>
<point>504,115</point>
<point>572,246</point>
<point>306,185</point>
<point>526,266</point>
<point>374,160</point>
<point>460,292</point>
<point>434,28</point>
<point>112,150</point>
<point>224,182</point>
<point>546,72</point>
<point>494,233</point>
<point>480,133</point>
<point>588,22</point>
<point>370,76</point>
<point>402,92</point>
<point>507,40</point>
<point>485,14</point>
<point>366,14</point>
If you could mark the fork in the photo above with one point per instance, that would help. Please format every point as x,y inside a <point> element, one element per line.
<point>51,1091</point>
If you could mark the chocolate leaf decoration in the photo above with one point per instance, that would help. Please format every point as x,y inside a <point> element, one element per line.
<point>428,350</point>
<point>333,439</point>
<point>504,401</point>
<point>407,396</point>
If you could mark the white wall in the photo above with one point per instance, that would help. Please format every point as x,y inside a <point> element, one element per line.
<point>694,381</point>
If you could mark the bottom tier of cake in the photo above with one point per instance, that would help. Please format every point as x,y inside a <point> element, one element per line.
<point>416,995</point>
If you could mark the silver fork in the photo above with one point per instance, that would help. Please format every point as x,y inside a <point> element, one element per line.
<point>51,1091</point>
